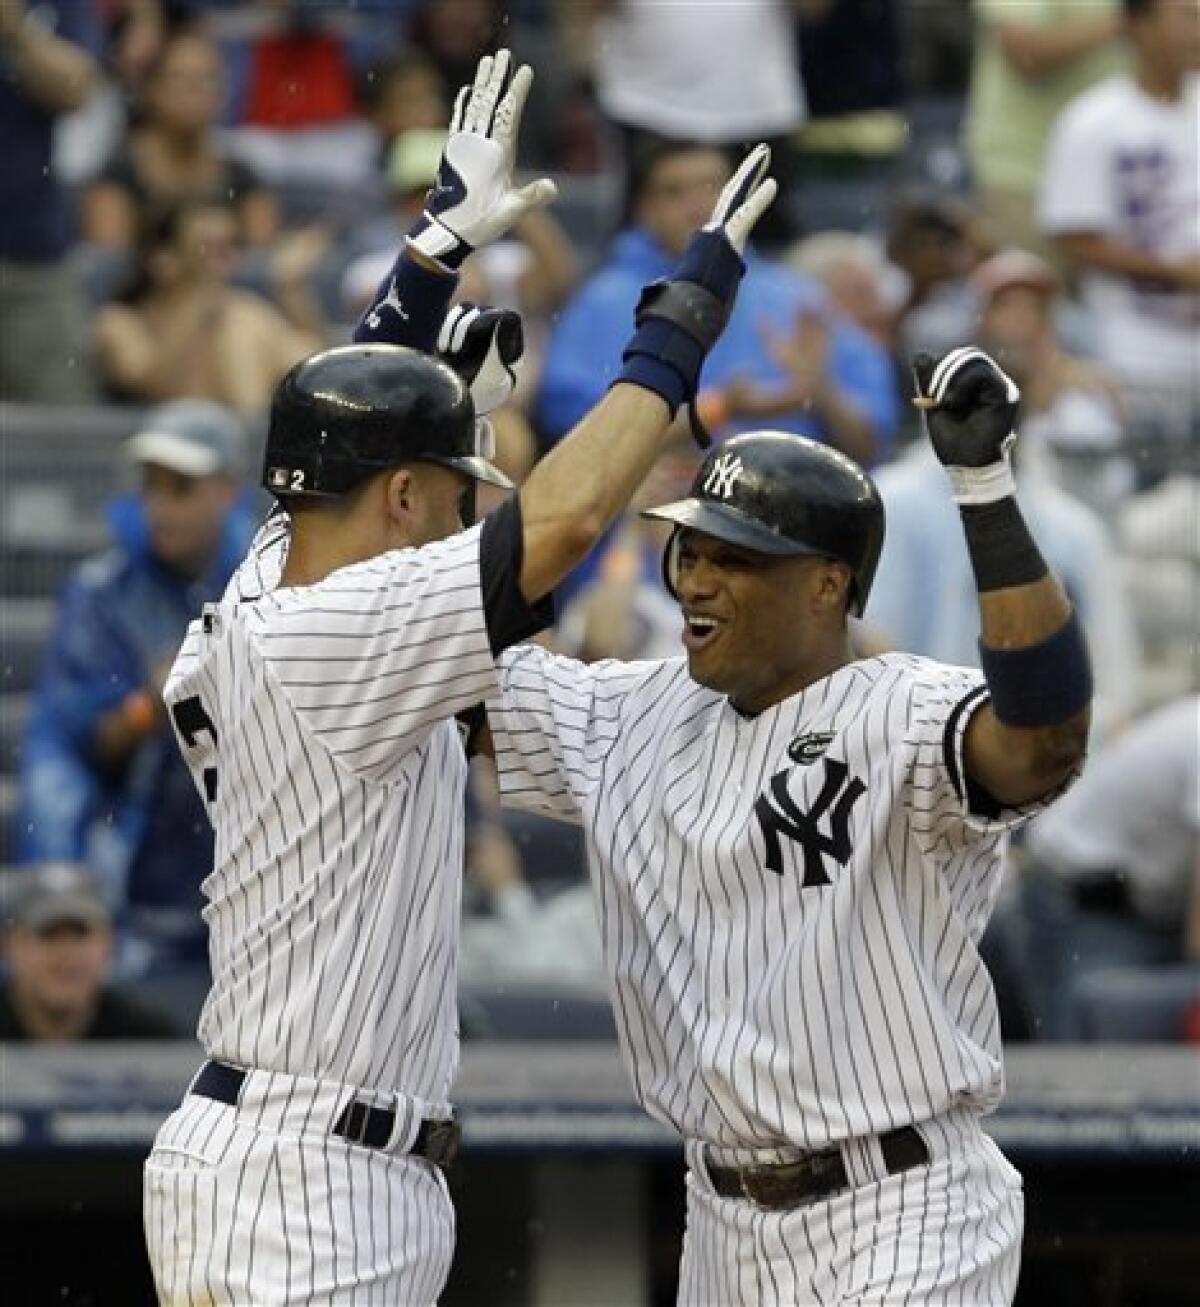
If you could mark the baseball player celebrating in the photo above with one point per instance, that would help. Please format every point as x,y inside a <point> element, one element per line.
<point>315,707</point>
<point>795,853</point>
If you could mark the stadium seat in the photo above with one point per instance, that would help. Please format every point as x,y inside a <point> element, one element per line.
<point>1147,1005</point>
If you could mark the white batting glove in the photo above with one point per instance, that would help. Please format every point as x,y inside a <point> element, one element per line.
<point>473,200</point>
<point>485,347</point>
<point>745,199</point>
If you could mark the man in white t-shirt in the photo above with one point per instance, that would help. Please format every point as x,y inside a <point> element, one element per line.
<point>1121,194</point>
<point>722,72</point>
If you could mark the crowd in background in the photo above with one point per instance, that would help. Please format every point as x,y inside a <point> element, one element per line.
<point>195,196</point>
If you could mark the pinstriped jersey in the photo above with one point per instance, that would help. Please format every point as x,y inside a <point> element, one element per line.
<point>317,723</point>
<point>791,904</point>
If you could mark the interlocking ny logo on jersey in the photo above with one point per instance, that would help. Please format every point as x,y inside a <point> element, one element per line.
<point>723,476</point>
<point>839,794</point>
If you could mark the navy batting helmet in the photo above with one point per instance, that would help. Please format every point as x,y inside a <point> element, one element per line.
<point>780,494</point>
<point>339,417</point>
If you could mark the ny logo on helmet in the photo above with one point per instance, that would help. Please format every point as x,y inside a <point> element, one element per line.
<point>723,476</point>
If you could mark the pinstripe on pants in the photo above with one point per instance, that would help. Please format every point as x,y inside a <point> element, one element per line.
<point>242,1217</point>
<point>943,1235</point>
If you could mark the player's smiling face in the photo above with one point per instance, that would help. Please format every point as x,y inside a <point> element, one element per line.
<point>756,627</point>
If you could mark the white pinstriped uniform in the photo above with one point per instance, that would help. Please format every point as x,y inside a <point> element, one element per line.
<point>787,982</point>
<point>321,714</point>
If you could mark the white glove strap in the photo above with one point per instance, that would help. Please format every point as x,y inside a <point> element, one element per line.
<point>982,485</point>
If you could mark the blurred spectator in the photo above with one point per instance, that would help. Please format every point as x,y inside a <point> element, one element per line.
<point>102,779</point>
<point>57,952</point>
<point>1030,60</point>
<point>924,598</point>
<point>1120,195</point>
<point>1124,846</point>
<point>1068,406</point>
<point>532,271</point>
<point>860,283</point>
<point>520,937</point>
<point>173,155</point>
<point>294,112</point>
<point>84,141</point>
<point>780,326</point>
<point>405,94</point>
<point>856,415</point>
<point>850,61</point>
<point>934,241</point>
<point>1159,532</point>
<point>724,74</point>
<point>182,329</point>
<point>453,34</point>
<point>46,70</point>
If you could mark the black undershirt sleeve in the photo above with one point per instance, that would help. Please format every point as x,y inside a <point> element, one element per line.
<point>510,619</point>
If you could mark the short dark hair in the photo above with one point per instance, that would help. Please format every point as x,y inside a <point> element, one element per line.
<point>1138,8</point>
<point>648,152</point>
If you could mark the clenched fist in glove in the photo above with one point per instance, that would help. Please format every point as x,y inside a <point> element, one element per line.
<point>970,408</point>
<point>473,200</point>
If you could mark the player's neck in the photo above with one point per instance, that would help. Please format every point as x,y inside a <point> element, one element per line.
<point>315,552</point>
<point>819,664</point>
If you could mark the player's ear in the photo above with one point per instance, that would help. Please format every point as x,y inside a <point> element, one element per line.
<point>834,580</point>
<point>400,496</point>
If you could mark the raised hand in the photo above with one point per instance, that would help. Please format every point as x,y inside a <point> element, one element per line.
<point>745,199</point>
<point>473,200</point>
<point>970,406</point>
<point>485,347</point>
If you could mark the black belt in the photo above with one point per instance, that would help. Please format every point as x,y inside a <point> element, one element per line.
<point>360,1123</point>
<point>814,1176</point>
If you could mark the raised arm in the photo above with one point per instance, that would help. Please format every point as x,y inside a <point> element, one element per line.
<point>472,203</point>
<point>56,74</point>
<point>578,489</point>
<point>1033,733</point>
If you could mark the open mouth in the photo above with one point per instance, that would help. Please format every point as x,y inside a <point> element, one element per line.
<point>699,631</point>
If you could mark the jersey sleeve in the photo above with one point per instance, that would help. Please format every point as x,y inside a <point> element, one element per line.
<point>376,654</point>
<point>553,723</point>
<point>1076,193</point>
<point>948,808</point>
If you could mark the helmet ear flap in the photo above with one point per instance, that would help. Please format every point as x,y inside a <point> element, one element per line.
<point>670,565</point>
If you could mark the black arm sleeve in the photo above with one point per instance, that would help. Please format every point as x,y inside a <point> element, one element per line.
<point>501,550</point>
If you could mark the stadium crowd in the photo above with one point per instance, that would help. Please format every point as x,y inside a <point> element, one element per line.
<point>195,196</point>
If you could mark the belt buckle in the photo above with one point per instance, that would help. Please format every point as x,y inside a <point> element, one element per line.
<point>790,1185</point>
<point>441,1141</point>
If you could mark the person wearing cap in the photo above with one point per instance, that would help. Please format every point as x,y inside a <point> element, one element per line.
<point>1072,408</point>
<point>102,782</point>
<point>57,948</point>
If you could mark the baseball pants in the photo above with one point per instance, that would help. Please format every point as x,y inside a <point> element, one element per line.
<point>259,1205</point>
<point>941,1234</point>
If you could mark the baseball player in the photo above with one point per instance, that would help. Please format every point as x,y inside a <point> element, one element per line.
<point>315,706</point>
<point>795,852</point>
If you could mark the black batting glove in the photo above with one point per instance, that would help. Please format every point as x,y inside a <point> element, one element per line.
<point>485,346</point>
<point>970,407</point>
